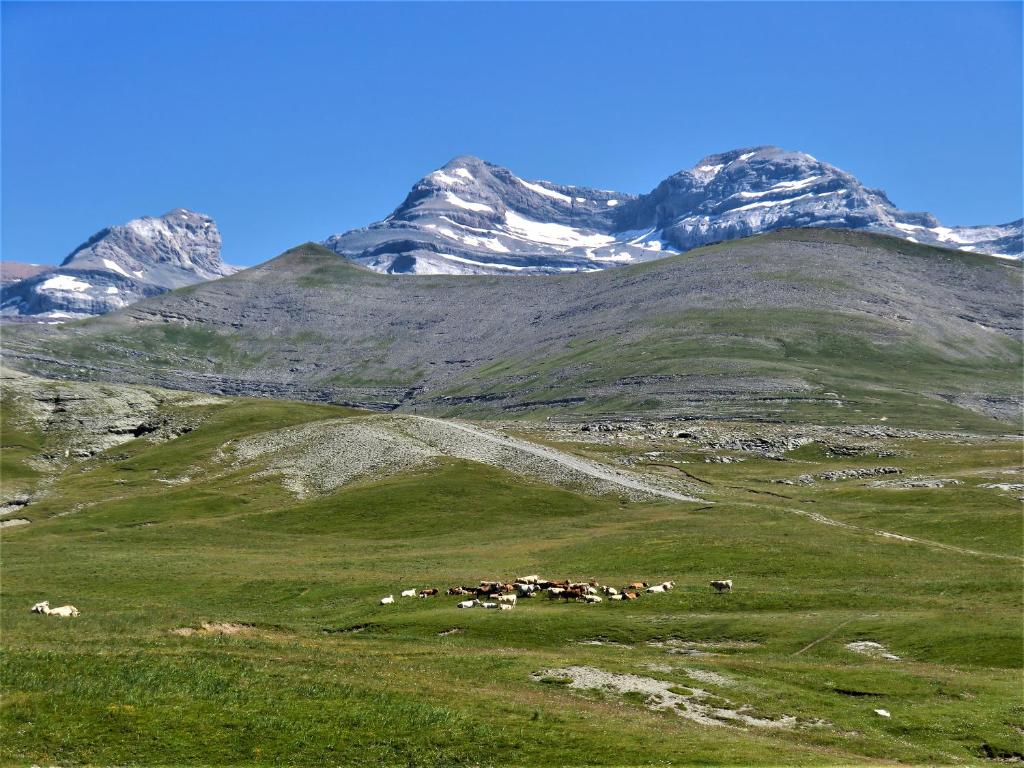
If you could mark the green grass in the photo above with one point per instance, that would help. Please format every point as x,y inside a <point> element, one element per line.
<point>327,675</point>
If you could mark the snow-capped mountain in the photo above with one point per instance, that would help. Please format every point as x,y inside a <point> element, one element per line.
<point>475,217</point>
<point>119,266</point>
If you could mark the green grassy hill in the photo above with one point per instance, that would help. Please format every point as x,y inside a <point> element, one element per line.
<point>155,535</point>
<point>831,326</point>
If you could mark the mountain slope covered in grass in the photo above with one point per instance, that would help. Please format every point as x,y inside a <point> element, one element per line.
<point>841,325</point>
<point>227,618</point>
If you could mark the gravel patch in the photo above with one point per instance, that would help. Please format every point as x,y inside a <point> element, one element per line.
<point>323,456</point>
<point>872,649</point>
<point>693,705</point>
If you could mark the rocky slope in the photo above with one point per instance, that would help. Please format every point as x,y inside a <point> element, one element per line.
<point>473,217</point>
<point>119,266</point>
<point>849,325</point>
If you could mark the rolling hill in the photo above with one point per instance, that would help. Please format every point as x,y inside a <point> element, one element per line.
<point>835,325</point>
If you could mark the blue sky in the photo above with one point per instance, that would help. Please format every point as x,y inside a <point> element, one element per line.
<point>291,121</point>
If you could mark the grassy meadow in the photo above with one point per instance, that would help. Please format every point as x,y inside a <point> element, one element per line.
<point>319,674</point>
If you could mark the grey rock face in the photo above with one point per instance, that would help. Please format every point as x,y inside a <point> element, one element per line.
<point>119,266</point>
<point>474,217</point>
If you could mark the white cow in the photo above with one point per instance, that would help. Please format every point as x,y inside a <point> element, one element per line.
<point>492,606</point>
<point>668,585</point>
<point>408,593</point>
<point>592,598</point>
<point>529,579</point>
<point>469,603</point>
<point>506,606</point>
<point>387,600</point>
<point>656,588</point>
<point>508,599</point>
<point>64,611</point>
<point>610,590</point>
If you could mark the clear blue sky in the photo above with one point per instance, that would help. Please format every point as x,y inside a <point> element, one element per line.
<point>292,121</point>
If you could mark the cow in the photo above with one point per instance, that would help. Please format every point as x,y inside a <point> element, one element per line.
<point>456,591</point>
<point>505,606</point>
<point>429,592</point>
<point>637,585</point>
<point>723,585</point>
<point>616,596</point>
<point>629,595</point>
<point>529,579</point>
<point>668,585</point>
<point>64,611</point>
<point>509,599</point>
<point>492,606</point>
<point>555,592</point>
<point>408,593</point>
<point>656,588</point>
<point>469,603</point>
<point>387,600</point>
<point>592,598</point>
<point>610,590</point>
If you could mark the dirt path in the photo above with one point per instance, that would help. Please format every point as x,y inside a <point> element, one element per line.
<point>590,468</point>
<point>820,518</point>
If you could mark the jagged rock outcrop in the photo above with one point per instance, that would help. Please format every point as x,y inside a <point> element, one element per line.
<point>119,266</point>
<point>475,217</point>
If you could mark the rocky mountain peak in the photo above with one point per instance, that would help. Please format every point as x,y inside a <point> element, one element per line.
<point>120,265</point>
<point>471,216</point>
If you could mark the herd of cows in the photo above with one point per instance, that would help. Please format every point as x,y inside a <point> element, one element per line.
<point>499,595</point>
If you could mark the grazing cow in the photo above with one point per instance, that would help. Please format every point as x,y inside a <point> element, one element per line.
<point>43,607</point>
<point>469,603</point>
<point>505,606</point>
<point>656,588</point>
<point>387,600</point>
<point>724,585</point>
<point>65,611</point>
<point>408,593</point>
<point>430,592</point>
<point>507,599</point>
<point>629,595</point>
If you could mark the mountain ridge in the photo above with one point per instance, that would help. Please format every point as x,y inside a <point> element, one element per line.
<point>837,321</point>
<point>474,217</point>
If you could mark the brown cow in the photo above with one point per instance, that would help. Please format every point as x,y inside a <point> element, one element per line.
<point>630,595</point>
<point>429,592</point>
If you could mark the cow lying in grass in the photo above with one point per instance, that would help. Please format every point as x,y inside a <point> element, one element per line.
<point>64,611</point>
